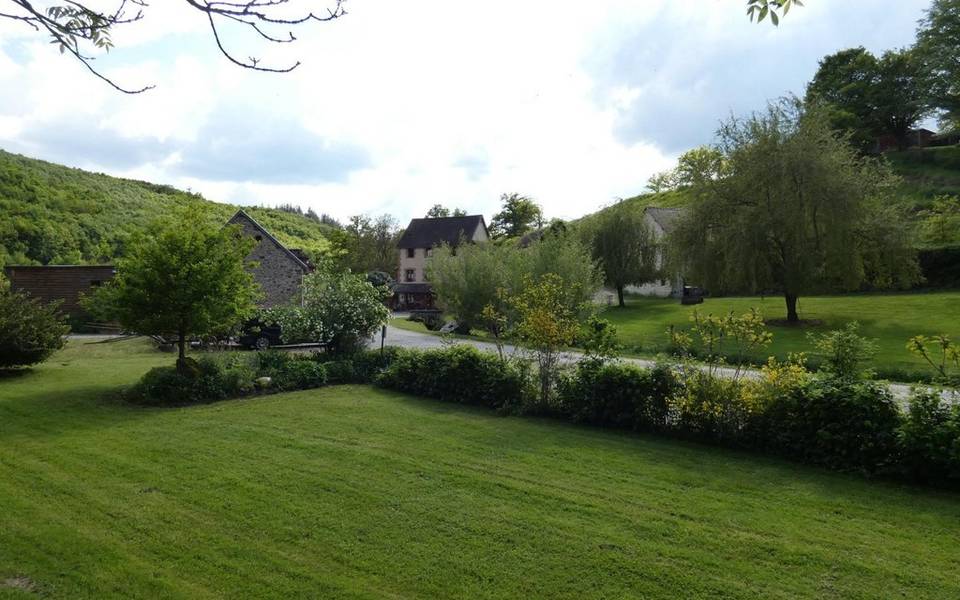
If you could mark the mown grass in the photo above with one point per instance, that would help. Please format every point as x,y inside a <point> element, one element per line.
<point>357,492</point>
<point>889,319</point>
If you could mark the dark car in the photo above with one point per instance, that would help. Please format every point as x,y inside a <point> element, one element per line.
<point>692,295</point>
<point>258,336</point>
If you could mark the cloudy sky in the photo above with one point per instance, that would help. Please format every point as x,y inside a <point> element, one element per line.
<point>401,105</point>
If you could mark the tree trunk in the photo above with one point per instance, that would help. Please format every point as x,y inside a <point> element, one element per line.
<point>181,350</point>
<point>792,316</point>
<point>620,296</point>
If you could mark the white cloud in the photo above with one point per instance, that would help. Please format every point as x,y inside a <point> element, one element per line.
<point>447,102</point>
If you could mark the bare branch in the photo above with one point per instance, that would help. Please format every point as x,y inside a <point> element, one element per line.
<point>73,25</point>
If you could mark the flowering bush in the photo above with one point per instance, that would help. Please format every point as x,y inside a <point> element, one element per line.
<point>338,309</point>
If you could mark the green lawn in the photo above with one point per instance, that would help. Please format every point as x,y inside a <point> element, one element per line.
<point>890,319</point>
<point>357,492</point>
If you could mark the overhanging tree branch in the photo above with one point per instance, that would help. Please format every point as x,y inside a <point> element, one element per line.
<point>73,26</point>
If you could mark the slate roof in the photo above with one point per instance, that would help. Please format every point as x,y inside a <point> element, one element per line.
<point>428,233</point>
<point>241,215</point>
<point>666,218</point>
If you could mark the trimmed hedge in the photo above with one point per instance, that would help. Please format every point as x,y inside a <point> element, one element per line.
<point>460,374</point>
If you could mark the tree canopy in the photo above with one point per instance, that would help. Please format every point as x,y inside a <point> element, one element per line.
<point>796,211</point>
<point>519,215</point>
<point>366,244</point>
<point>938,38</point>
<point>868,97</point>
<point>186,275</point>
<point>624,246</point>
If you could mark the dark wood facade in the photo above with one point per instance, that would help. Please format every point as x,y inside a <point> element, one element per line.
<point>60,282</point>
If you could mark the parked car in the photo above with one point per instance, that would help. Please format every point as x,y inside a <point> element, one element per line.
<point>258,336</point>
<point>692,295</point>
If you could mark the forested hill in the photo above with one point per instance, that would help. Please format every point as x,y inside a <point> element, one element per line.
<point>52,214</point>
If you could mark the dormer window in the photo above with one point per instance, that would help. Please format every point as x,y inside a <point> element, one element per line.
<point>410,252</point>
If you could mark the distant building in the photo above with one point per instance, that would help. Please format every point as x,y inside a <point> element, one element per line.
<point>63,283</point>
<point>916,138</point>
<point>412,290</point>
<point>279,270</point>
<point>662,222</point>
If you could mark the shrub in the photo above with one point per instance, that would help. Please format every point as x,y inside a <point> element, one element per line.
<point>166,386</point>
<point>271,362</point>
<point>837,423</point>
<point>433,321</point>
<point>368,364</point>
<point>930,438</point>
<point>340,371</point>
<point>712,407</point>
<point>617,395</point>
<point>843,352</point>
<point>459,374</point>
<point>300,375</point>
<point>29,331</point>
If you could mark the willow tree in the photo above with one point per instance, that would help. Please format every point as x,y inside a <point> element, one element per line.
<point>624,246</point>
<point>796,211</point>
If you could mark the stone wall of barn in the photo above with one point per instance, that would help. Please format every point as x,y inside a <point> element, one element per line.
<point>278,274</point>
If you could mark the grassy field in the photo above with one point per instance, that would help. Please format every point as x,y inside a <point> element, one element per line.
<point>889,319</point>
<point>357,492</point>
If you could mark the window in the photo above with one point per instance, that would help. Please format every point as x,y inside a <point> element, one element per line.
<point>428,252</point>
<point>96,283</point>
<point>258,237</point>
<point>410,252</point>
<point>411,275</point>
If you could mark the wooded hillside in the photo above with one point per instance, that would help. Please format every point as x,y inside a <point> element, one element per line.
<point>52,214</point>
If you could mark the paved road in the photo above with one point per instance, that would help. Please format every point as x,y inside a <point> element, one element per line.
<point>413,339</point>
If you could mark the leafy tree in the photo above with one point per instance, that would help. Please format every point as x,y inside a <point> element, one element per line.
<point>844,351</point>
<point>938,38</point>
<point>29,331</point>
<point>437,211</point>
<point>477,276</point>
<point>339,309</point>
<point>545,324</point>
<point>797,211</point>
<point>519,215</point>
<point>186,275</point>
<point>366,244</point>
<point>624,246</point>
<point>869,97</point>
<point>941,222</point>
<point>78,28</point>
<point>899,95</point>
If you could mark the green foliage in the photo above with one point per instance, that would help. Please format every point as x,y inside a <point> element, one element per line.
<point>624,246</point>
<point>930,438</point>
<point>797,211</point>
<point>519,215</point>
<point>938,38</point>
<point>867,97</point>
<point>51,214</point>
<point>941,222</point>
<point>186,275</point>
<point>759,9</point>
<point>618,395</point>
<point>843,352</point>
<point>599,340</point>
<point>941,354</point>
<point>460,374</point>
<point>837,423</point>
<point>545,324</point>
<point>341,310</point>
<point>474,276</point>
<point>717,339</point>
<point>366,244</point>
<point>29,330</point>
<point>300,374</point>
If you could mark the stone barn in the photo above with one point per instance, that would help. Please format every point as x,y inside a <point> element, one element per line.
<point>279,269</point>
